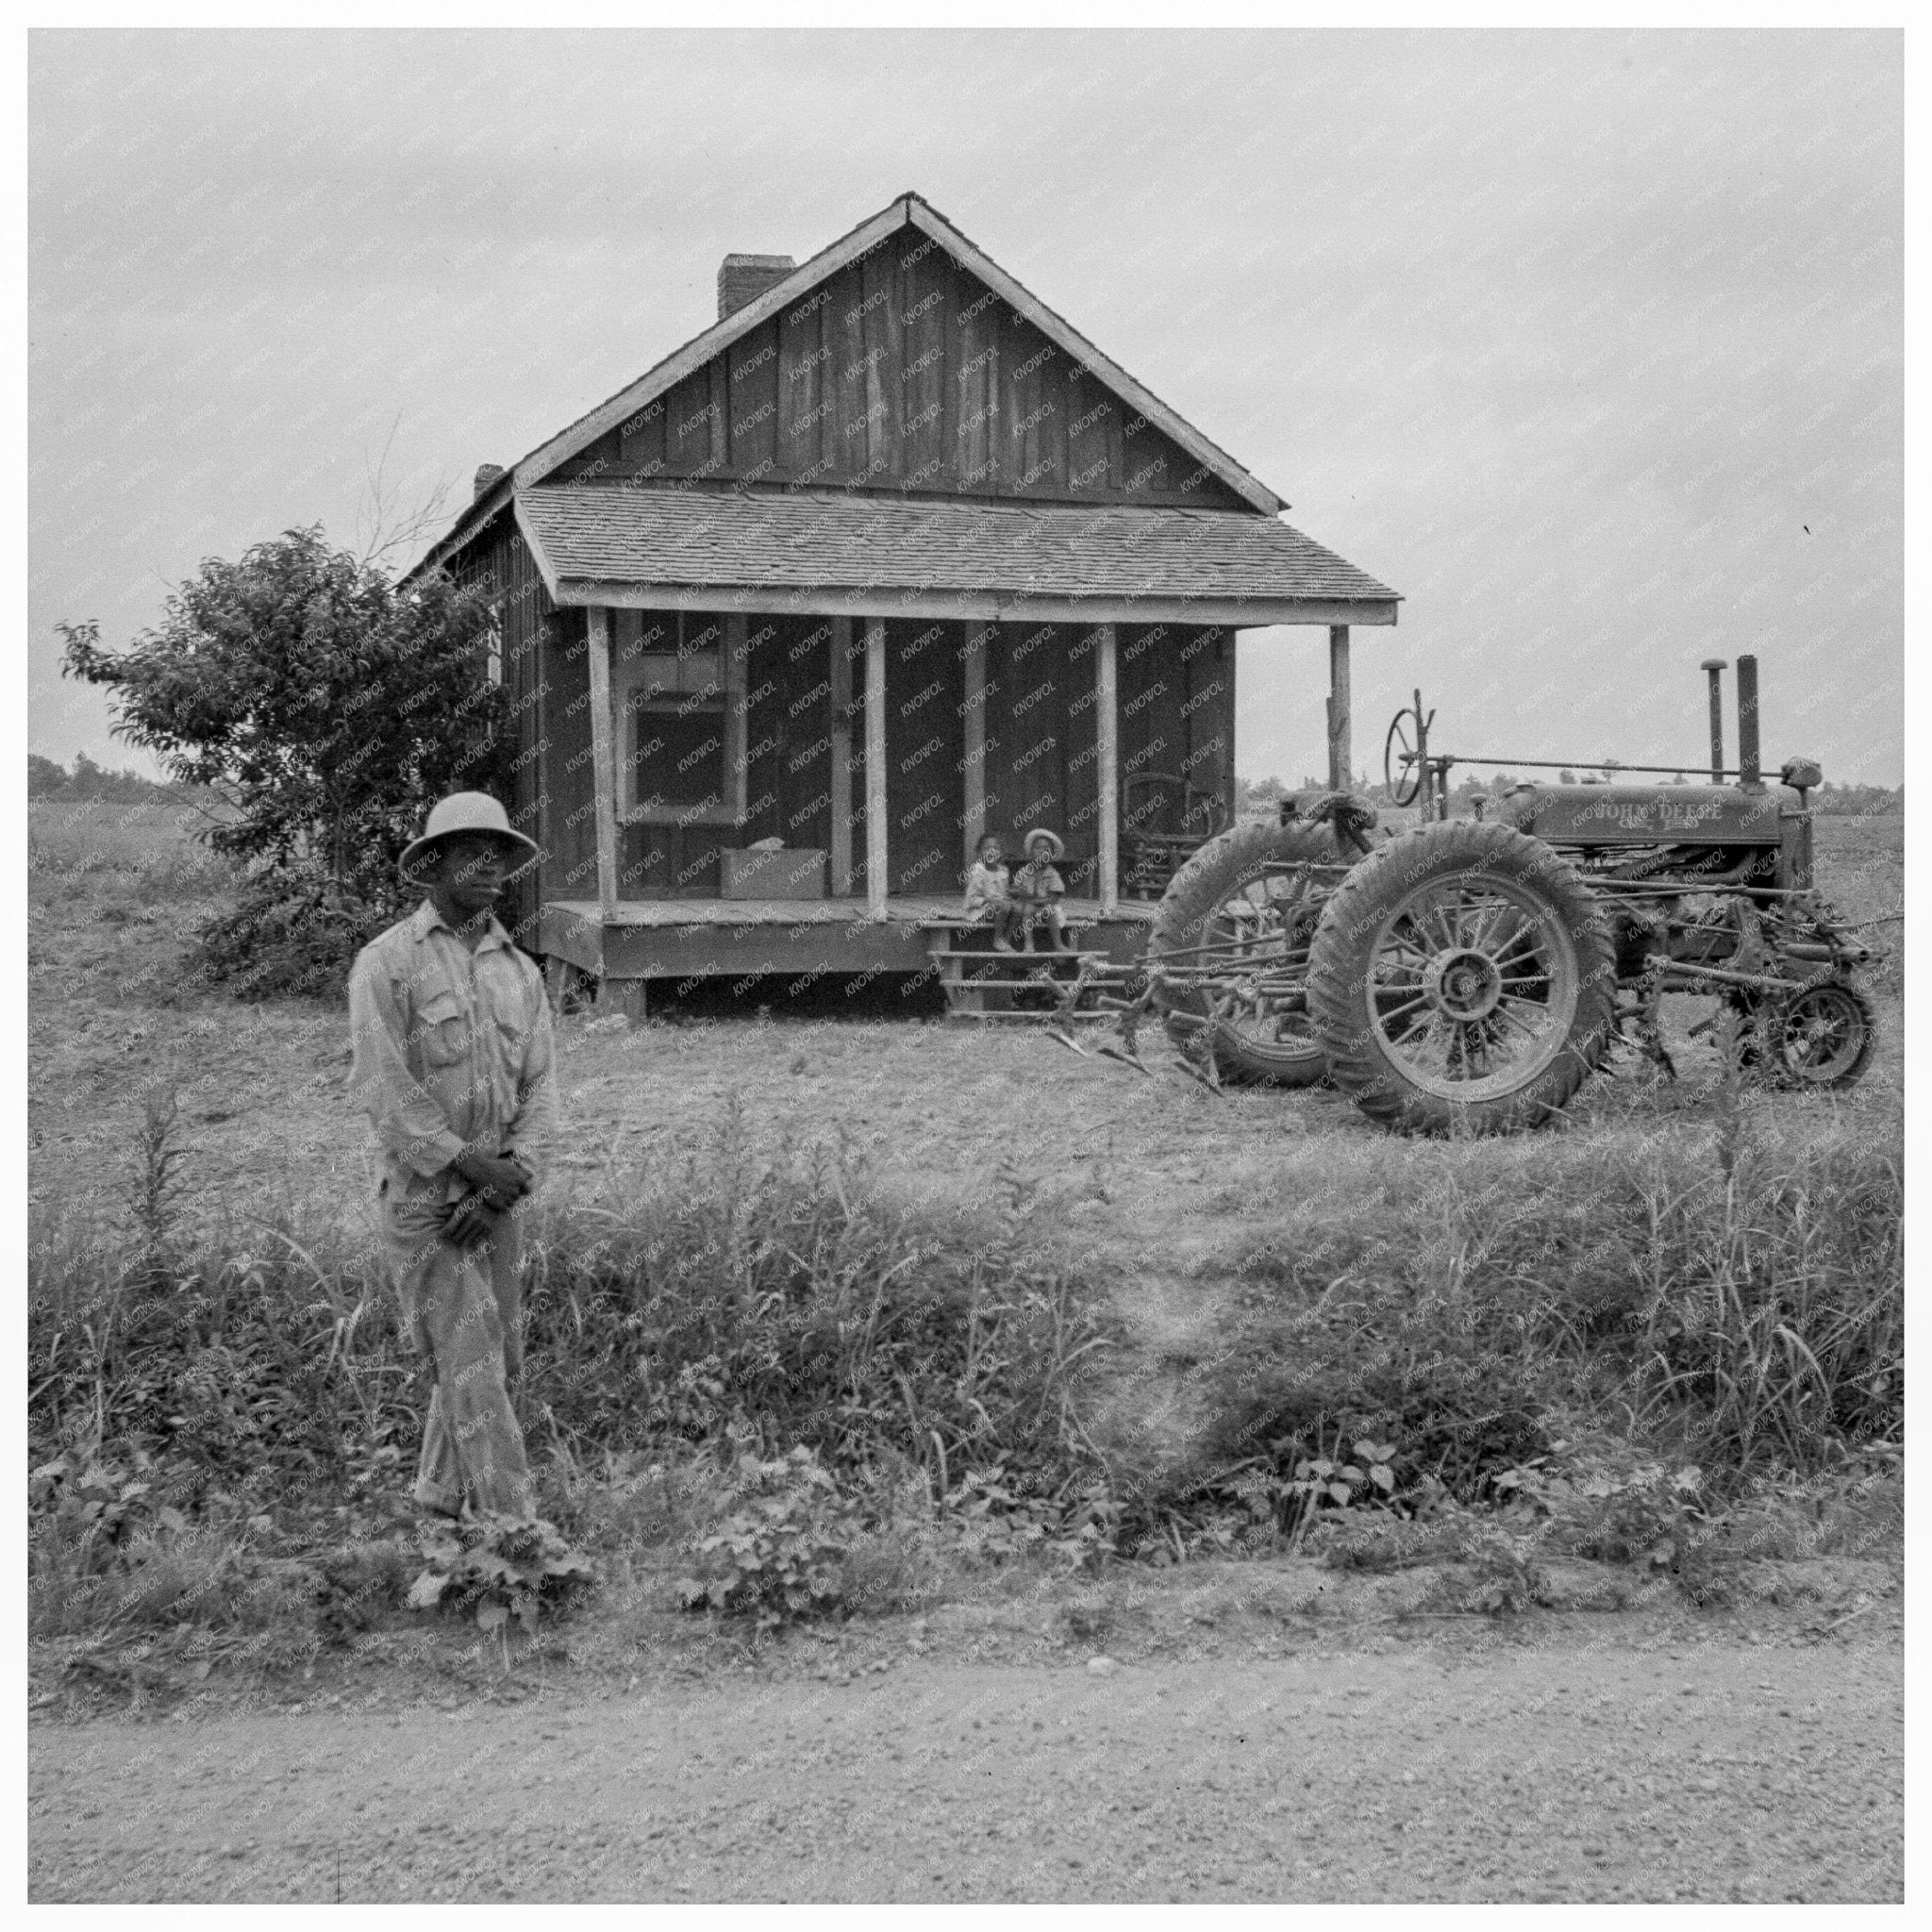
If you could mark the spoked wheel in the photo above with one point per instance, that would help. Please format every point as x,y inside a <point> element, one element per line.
<point>1820,1038</point>
<point>1462,977</point>
<point>1233,932</point>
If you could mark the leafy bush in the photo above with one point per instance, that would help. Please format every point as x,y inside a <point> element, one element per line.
<point>992,1518</point>
<point>113,1546</point>
<point>326,708</point>
<point>499,1567</point>
<point>290,931</point>
<point>95,1509</point>
<point>779,1556</point>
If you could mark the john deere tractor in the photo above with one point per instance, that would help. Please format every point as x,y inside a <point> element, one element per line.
<point>1472,974</point>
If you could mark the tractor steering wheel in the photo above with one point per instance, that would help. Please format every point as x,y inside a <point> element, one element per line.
<point>1401,748</point>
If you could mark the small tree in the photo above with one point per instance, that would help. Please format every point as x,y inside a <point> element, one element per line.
<point>326,707</point>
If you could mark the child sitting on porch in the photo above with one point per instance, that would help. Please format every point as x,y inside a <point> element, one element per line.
<point>987,898</point>
<point>1038,887</point>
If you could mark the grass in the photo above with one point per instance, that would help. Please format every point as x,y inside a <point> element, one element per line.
<point>1753,1323</point>
<point>1023,1306</point>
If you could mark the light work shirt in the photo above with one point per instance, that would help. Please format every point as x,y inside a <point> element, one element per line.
<point>453,1049</point>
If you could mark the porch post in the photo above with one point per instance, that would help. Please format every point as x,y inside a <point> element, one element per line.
<point>840,862</point>
<point>1108,728</point>
<point>1340,763</point>
<point>603,760</point>
<point>875,767</point>
<point>972,817</point>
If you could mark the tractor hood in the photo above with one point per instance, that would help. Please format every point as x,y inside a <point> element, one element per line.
<point>1649,815</point>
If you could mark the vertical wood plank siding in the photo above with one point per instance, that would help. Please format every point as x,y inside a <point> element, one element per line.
<point>501,565</point>
<point>602,754</point>
<point>1106,765</point>
<point>877,778</point>
<point>801,389</point>
<point>752,415</point>
<point>839,867</point>
<point>901,369</point>
<point>926,754</point>
<point>567,802</point>
<point>926,292</point>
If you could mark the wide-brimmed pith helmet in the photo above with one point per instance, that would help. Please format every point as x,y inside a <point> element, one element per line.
<point>468,811</point>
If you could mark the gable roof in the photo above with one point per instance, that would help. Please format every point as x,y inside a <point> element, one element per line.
<point>907,210</point>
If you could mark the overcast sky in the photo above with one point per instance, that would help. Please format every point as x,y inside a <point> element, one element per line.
<point>1588,345</point>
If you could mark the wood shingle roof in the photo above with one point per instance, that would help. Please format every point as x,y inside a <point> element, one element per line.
<point>833,552</point>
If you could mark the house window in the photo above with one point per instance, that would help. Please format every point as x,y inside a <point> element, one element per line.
<point>677,688</point>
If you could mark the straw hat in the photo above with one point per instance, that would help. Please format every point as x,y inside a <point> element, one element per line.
<point>467,811</point>
<point>1053,839</point>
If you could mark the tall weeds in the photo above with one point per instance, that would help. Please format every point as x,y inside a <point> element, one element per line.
<point>779,1299</point>
<point>1748,1305</point>
<point>784,1299</point>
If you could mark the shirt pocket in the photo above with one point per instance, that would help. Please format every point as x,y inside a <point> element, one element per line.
<point>442,1025</point>
<point>511,1037</point>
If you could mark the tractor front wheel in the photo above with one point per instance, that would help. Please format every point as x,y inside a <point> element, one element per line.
<point>1463,978</point>
<point>1819,1038</point>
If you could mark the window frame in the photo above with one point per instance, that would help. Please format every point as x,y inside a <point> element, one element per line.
<point>729,707</point>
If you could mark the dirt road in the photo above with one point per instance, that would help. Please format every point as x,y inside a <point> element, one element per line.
<point>1593,1769</point>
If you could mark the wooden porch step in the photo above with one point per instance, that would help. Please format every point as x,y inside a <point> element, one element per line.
<point>982,986</point>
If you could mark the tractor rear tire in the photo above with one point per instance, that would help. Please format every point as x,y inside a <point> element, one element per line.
<point>1462,981</point>
<point>1279,1052</point>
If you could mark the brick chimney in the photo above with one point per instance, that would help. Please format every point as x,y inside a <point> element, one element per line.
<point>744,278</point>
<point>486,473</point>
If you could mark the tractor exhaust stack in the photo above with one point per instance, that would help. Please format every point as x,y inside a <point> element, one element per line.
<point>1714,667</point>
<point>1749,777</point>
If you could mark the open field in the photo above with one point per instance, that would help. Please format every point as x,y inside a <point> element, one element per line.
<point>115,892</point>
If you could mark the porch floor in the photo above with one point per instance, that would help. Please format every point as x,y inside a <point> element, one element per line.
<point>908,910</point>
<point>676,939</point>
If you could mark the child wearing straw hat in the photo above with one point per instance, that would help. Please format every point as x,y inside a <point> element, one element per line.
<point>1038,887</point>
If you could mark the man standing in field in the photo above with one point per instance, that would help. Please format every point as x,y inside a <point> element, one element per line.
<point>453,1058</point>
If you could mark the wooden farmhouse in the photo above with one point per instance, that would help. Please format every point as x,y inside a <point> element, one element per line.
<point>888,557</point>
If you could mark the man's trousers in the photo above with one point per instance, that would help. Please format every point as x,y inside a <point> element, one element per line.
<point>462,1308</point>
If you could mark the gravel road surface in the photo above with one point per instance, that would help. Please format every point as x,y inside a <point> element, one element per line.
<point>1715,1772</point>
